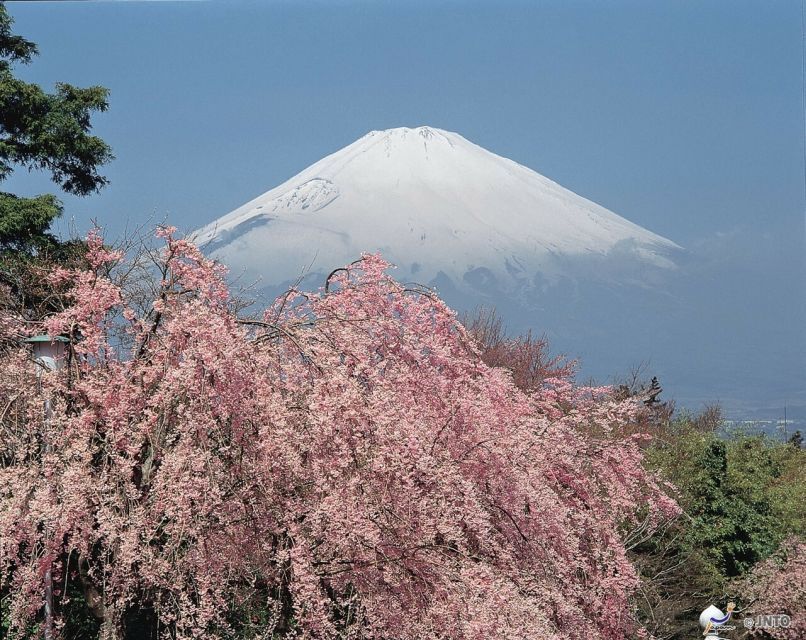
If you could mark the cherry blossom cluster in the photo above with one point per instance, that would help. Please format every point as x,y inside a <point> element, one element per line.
<point>778,586</point>
<point>346,458</point>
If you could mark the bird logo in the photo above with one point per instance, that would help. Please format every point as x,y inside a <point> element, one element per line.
<point>713,620</point>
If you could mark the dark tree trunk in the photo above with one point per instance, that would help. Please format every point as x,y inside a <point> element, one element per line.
<point>140,624</point>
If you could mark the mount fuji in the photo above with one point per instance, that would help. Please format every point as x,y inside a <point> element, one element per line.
<point>484,230</point>
<point>445,211</point>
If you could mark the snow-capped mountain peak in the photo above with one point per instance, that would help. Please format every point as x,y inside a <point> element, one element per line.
<point>436,205</point>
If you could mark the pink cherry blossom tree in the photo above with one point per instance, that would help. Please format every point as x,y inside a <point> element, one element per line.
<point>778,586</point>
<point>346,460</point>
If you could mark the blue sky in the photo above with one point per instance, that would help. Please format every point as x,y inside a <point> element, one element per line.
<point>683,116</point>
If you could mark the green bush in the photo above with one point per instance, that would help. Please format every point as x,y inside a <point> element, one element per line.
<point>742,494</point>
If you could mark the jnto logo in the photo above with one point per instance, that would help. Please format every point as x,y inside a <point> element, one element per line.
<point>768,621</point>
<point>712,620</point>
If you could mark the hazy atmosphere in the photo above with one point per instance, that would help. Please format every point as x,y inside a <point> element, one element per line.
<point>686,118</point>
<point>403,320</point>
<point>683,117</point>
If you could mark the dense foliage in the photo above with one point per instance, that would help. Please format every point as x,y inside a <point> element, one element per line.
<point>43,131</point>
<point>343,466</point>
<point>778,585</point>
<point>47,131</point>
<point>742,496</point>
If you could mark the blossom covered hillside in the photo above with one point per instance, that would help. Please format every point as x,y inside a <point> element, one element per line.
<point>345,466</point>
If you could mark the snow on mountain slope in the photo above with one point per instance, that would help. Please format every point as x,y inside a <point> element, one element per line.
<point>437,206</point>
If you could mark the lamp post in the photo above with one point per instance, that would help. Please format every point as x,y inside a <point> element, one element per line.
<point>49,353</point>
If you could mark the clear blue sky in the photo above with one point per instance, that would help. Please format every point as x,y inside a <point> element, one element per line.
<point>684,116</point>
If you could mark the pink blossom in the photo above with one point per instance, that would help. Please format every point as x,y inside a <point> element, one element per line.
<point>351,452</point>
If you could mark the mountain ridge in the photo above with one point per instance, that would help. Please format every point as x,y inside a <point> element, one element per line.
<point>437,206</point>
